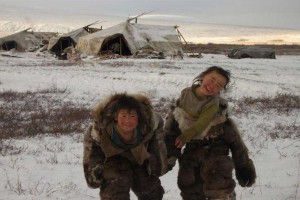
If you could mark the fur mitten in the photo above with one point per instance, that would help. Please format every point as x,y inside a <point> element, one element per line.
<point>93,175</point>
<point>246,174</point>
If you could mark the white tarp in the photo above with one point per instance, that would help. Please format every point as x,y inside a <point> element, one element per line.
<point>132,37</point>
<point>25,40</point>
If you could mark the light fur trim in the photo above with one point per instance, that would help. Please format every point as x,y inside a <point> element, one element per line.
<point>95,135</point>
<point>185,121</point>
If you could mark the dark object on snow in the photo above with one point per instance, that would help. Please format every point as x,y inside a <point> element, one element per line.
<point>252,52</point>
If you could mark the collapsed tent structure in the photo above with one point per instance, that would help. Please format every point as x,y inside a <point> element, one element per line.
<point>25,40</point>
<point>58,44</point>
<point>127,38</point>
<point>252,52</point>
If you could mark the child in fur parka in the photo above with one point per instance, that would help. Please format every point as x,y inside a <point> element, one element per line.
<point>200,122</point>
<point>124,149</point>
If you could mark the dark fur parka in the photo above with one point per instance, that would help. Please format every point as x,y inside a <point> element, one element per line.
<point>98,146</point>
<point>211,157</point>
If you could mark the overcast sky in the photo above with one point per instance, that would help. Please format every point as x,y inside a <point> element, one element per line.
<point>262,13</point>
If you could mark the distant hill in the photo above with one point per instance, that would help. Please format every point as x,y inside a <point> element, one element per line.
<point>226,48</point>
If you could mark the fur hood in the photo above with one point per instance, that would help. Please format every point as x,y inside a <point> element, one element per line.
<point>103,112</point>
<point>104,117</point>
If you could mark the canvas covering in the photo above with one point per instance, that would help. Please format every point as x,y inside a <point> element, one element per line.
<point>134,37</point>
<point>25,40</point>
<point>72,38</point>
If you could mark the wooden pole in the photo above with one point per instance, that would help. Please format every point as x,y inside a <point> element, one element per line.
<point>181,36</point>
<point>120,46</point>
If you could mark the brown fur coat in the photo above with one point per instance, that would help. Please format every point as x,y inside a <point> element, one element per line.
<point>98,145</point>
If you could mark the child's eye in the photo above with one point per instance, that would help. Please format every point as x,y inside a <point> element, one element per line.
<point>215,82</point>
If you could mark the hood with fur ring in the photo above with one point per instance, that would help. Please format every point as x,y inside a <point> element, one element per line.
<point>104,121</point>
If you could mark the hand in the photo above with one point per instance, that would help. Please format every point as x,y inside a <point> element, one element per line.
<point>246,174</point>
<point>179,143</point>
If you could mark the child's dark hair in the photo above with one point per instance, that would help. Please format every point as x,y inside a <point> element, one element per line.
<point>123,101</point>
<point>225,73</point>
<point>126,102</point>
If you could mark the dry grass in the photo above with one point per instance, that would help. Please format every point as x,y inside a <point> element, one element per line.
<point>26,114</point>
<point>280,105</point>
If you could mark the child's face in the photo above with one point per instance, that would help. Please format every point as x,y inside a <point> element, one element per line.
<point>127,120</point>
<point>212,84</point>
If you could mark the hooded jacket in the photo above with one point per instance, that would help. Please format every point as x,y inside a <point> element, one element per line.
<point>99,145</point>
<point>223,138</point>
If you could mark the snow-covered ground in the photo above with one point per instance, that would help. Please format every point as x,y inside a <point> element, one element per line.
<point>49,167</point>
